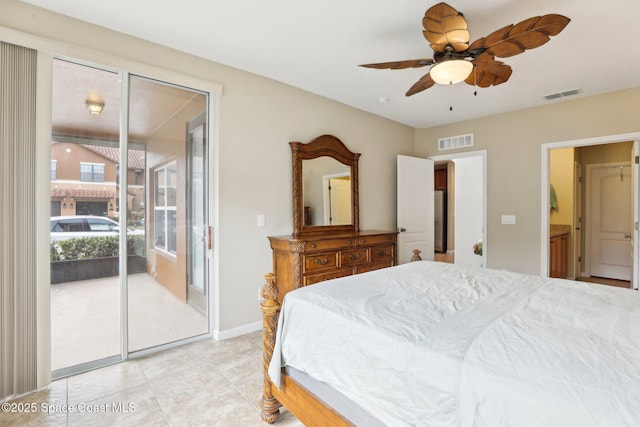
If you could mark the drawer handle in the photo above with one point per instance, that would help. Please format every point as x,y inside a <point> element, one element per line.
<point>363,241</point>
<point>354,256</point>
<point>313,245</point>
<point>382,252</point>
<point>325,261</point>
<point>349,242</point>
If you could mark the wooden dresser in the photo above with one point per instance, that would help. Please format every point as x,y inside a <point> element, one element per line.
<point>312,258</point>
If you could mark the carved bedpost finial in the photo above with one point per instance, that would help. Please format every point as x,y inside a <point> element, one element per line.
<point>416,255</point>
<point>270,307</point>
<point>269,290</point>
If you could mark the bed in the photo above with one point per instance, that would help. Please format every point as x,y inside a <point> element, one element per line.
<point>434,344</point>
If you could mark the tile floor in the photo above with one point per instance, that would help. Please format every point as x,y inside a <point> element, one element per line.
<point>207,383</point>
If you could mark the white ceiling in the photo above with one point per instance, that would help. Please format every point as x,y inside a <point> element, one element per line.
<point>317,46</point>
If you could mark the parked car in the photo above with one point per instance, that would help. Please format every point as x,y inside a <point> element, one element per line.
<point>68,227</point>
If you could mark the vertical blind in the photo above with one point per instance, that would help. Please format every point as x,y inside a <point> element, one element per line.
<point>18,314</point>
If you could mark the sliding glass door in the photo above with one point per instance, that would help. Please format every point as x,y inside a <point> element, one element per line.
<point>134,203</point>
<point>160,308</point>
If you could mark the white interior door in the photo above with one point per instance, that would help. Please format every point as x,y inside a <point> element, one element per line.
<point>337,199</point>
<point>577,219</point>
<point>610,219</point>
<point>415,208</point>
<point>635,185</point>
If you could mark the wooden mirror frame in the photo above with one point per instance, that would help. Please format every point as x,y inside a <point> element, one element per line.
<point>330,146</point>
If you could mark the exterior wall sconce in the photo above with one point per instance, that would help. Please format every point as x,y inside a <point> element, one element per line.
<point>64,205</point>
<point>95,107</point>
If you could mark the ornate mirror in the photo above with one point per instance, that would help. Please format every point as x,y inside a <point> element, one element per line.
<point>325,186</point>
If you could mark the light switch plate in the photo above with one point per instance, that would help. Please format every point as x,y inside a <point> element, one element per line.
<point>261,220</point>
<point>508,219</point>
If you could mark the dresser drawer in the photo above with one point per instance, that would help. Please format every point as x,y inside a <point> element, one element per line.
<point>380,253</point>
<point>320,261</point>
<point>374,240</point>
<point>355,256</point>
<point>370,267</point>
<point>320,245</point>
<point>315,278</point>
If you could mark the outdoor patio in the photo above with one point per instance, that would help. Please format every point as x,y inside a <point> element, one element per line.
<point>85,318</point>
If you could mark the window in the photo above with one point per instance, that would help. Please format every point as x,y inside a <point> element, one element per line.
<point>67,225</point>
<point>97,224</point>
<point>165,207</point>
<point>54,170</point>
<point>91,172</point>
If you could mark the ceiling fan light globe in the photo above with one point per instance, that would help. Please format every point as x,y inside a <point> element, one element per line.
<point>451,72</point>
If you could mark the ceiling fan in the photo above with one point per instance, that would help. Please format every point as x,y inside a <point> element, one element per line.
<point>455,60</point>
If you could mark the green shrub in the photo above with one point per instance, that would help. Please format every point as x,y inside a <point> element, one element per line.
<point>94,247</point>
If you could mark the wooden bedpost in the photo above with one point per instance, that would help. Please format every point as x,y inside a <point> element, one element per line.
<point>270,310</point>
<point>416,255</point>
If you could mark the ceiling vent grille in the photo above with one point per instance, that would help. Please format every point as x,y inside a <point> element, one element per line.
<point>454,142</point>
<point>564,94</point>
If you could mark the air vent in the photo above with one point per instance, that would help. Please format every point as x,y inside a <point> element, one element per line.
<point>453,142</point>
<point>562,94</point>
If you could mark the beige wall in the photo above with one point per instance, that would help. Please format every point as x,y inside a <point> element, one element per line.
<point>561,172</point>
<point>561,177</point>
<point>257,117</point>
<point>513,143</point>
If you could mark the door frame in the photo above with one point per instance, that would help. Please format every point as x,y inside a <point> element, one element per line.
<point>195,297</point>
<point>483,155</point>
<point>545,150</point>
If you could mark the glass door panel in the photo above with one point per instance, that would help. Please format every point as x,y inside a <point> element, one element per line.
<point>84,228</point>
<point>167,210</point>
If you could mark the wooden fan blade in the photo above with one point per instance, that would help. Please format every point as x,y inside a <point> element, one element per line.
<point>443,25</point>
<point>528,34</point>
<point>424,83</point>
<point>399,65</point>
<point>488,72</point>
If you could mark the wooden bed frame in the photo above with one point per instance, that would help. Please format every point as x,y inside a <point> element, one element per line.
<point>307,407</point>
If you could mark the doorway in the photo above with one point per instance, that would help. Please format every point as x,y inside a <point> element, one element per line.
<point>466,196</point>
<point>126,274</point>
<point>595,181</point>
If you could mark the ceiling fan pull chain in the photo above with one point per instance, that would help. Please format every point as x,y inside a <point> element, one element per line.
<point>450,97</point>
<point>475,80</point>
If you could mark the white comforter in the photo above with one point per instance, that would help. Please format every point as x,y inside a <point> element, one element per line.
<point>433,344</point>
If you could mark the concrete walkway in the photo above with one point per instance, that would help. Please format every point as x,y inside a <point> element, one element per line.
<point>85,318</point>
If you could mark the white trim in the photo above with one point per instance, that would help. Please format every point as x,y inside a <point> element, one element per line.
<point>238,331</point>
<point>544,188</point>
<point>476,153</point>
<point>43,211</point>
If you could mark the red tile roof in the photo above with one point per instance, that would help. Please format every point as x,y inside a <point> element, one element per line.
<point>136,157</point>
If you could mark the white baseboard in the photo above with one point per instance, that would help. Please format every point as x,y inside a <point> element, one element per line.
<point>236,332</point>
